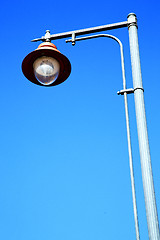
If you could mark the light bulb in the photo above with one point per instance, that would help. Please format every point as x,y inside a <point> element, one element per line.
<point>46,70</point>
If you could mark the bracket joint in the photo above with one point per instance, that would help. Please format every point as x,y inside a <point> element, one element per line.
<point>129,90</point>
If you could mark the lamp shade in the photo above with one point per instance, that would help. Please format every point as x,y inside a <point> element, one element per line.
<point>46,66</point>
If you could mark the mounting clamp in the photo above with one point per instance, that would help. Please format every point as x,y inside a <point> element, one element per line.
<point>129,90</point>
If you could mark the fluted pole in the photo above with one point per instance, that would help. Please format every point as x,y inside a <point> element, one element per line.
<point>146,168</point>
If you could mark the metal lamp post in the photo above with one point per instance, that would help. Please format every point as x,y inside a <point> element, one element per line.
<point>148,185</point>
<point>48,67</point>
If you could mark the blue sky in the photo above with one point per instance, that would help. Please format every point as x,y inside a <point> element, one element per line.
<point>64,165</point>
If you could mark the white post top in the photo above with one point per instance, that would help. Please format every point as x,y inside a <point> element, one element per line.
<point>132,19</point>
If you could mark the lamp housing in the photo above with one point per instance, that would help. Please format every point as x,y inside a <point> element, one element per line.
<point>46,66</point>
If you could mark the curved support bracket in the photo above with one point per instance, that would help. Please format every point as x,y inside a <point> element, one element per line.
<point>73,41</point>
<point>122,92</point>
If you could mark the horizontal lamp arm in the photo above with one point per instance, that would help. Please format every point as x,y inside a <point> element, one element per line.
<point>82,31</point>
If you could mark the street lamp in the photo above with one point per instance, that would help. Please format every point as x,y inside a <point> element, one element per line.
<point>48,67</point>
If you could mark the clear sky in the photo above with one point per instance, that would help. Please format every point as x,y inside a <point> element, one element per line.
<point>64,168</point>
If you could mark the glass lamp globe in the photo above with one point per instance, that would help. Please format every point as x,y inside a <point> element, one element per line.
<point>46,70</point>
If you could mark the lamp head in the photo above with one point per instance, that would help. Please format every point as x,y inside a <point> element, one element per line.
<point>46,65</point>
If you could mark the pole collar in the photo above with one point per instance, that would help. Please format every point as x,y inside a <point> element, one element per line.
<point>140,88</point>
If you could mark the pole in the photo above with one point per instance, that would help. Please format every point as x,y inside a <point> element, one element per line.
<point>146,168</point>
